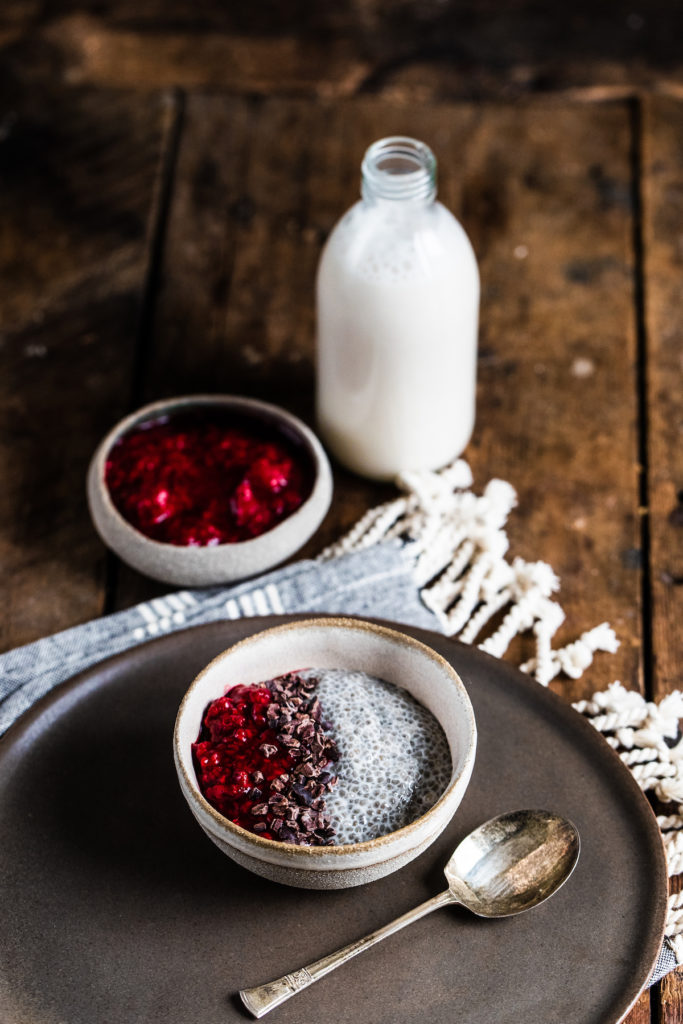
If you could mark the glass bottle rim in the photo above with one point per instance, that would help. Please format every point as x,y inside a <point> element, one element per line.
<point>400,168</point>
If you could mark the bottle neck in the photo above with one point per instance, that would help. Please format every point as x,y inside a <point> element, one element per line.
<point>399,170</point>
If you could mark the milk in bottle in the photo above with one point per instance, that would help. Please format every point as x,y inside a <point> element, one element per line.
<point>397,306</point>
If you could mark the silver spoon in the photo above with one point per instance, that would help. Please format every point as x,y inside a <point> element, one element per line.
<point>507,865</point>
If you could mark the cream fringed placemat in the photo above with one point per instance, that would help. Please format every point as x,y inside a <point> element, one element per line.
<point>436,557</point>
<point>459,548</point>
<point>648,739</point>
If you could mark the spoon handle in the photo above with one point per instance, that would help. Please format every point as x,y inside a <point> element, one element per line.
<point>266,997</point>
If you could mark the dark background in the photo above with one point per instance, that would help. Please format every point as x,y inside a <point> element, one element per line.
<point>466,49</point>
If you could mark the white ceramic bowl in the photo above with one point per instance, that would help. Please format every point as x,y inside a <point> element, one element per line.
<point>331,643</point>
<point>222,563</point>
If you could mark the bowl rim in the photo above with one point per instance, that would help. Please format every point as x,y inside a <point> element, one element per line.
<point>322,473</point>
<point>307,853</point>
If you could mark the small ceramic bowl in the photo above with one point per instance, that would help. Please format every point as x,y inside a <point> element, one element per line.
<point>331,643</point>
<point>222,563</point>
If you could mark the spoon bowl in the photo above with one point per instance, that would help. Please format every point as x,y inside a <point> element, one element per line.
<point>512,863</point>
<point>507,865</point>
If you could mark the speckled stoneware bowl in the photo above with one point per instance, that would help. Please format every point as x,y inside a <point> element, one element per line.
<point>331,643</point>
<point>222,563</point>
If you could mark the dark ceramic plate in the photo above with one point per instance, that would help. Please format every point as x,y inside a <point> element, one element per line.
<point>117,909</point>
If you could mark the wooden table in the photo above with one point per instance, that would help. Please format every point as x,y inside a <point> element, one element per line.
<point>158,242</point>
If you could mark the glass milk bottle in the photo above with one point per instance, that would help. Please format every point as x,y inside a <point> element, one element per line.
<point>397,304</point>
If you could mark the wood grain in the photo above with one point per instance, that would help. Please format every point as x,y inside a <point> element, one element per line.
<point>408,49</point>
<point>76,196</point>
<point>663,256</point>
<point>662,202</point>
<point>545,196</point>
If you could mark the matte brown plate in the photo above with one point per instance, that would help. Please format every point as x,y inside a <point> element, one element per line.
<point>116,908</point>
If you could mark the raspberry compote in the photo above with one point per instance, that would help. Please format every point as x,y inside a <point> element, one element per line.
<point>206,476</point>
<point>262,760</point>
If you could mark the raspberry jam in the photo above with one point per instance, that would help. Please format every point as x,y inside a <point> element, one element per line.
<point>233,770</point>
<point>206,477</point>
<point>261,760</point>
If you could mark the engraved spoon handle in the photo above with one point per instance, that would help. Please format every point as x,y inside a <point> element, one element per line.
<point>266,997</point>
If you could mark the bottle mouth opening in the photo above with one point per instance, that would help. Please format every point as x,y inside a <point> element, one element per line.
<point>399,167</point>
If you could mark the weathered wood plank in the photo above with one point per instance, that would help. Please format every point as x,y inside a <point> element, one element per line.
<point>544,192</point>
<point>77,189</point>
<point>415,49</point>
<point>662,198</point>
<point>663,256</point>
<point>94,52</point>
<point>546,197</point>
<point>641,1012</point>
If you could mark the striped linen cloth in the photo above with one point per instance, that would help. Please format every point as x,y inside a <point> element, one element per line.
<point>377,582</point>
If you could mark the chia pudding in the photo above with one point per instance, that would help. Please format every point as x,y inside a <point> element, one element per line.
<point>321,757</point>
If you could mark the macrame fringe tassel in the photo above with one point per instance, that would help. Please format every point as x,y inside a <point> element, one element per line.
<point>459,546</point>
<point>648,739</point>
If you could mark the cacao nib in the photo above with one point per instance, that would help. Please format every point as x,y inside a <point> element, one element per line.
<point>288,741</point>
<point>302,794</point>
<point>314,710</point>
<point>307,820</point>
